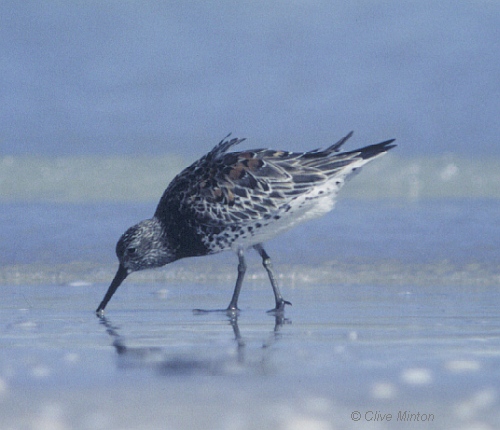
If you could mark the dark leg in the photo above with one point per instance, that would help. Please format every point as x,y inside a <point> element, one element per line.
<point>266,262</point>
<point>232,310</point>
<point>242,267</point>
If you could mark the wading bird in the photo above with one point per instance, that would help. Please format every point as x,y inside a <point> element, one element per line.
<point>235,201</point>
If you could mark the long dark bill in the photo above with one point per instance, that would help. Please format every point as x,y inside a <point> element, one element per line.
<point>121,274</point>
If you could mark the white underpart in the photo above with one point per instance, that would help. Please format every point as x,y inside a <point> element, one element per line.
<point>313,204</point>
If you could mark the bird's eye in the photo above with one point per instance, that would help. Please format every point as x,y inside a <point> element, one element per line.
<point>131,251</point>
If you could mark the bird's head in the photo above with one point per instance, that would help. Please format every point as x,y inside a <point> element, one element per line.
<point>142,246</point>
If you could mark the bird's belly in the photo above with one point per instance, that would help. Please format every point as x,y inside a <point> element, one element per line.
<point>262,230</point>
<point>247,233</point>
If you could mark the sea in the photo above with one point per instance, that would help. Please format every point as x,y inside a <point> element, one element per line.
<point>395,321</point>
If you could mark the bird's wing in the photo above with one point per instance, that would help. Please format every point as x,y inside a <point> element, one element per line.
<point>238,187</point>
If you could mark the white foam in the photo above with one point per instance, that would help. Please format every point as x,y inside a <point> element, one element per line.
<point>40,371</point>
<point>162,293</point>
<point>473,406</point>
<point>71,357</point>
<point>80,284</point>
<point>352,335</point>
<point>383,390</point>
<point>459,366</point>
<point>417,376</point>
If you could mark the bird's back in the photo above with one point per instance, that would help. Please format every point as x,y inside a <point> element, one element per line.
<point>238,199</point>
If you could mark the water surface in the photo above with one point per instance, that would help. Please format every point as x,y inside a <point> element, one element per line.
<point>395,310</point>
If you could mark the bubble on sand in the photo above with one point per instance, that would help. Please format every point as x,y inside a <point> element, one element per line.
<point>352,335</point>
<point>162,293</point>
<point>40,371</point>
<point>27,325</point>
<point>80,284</point>
<point>417,376</point>
<point>476,404</point>
<point>459,366</point>
<point>383,390</point>
<point>71,357</point>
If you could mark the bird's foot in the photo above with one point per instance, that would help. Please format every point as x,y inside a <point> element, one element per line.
<point>279,310</point>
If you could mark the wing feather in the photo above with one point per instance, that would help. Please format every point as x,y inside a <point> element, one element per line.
<point>224,188</point>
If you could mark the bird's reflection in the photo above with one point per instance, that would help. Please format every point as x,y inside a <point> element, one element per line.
<point>205,359</point>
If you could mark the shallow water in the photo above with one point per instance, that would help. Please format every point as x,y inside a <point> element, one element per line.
<point>395,317</point>
<point>459,231</point>
<point>152,363</point>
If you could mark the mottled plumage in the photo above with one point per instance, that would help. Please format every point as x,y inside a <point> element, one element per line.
<point>236,200</point>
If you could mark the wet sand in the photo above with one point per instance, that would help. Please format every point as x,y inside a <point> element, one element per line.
<point>360,356</point>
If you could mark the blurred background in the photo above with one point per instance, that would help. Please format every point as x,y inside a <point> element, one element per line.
<point>151,77</point>
<point>103,102</point>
